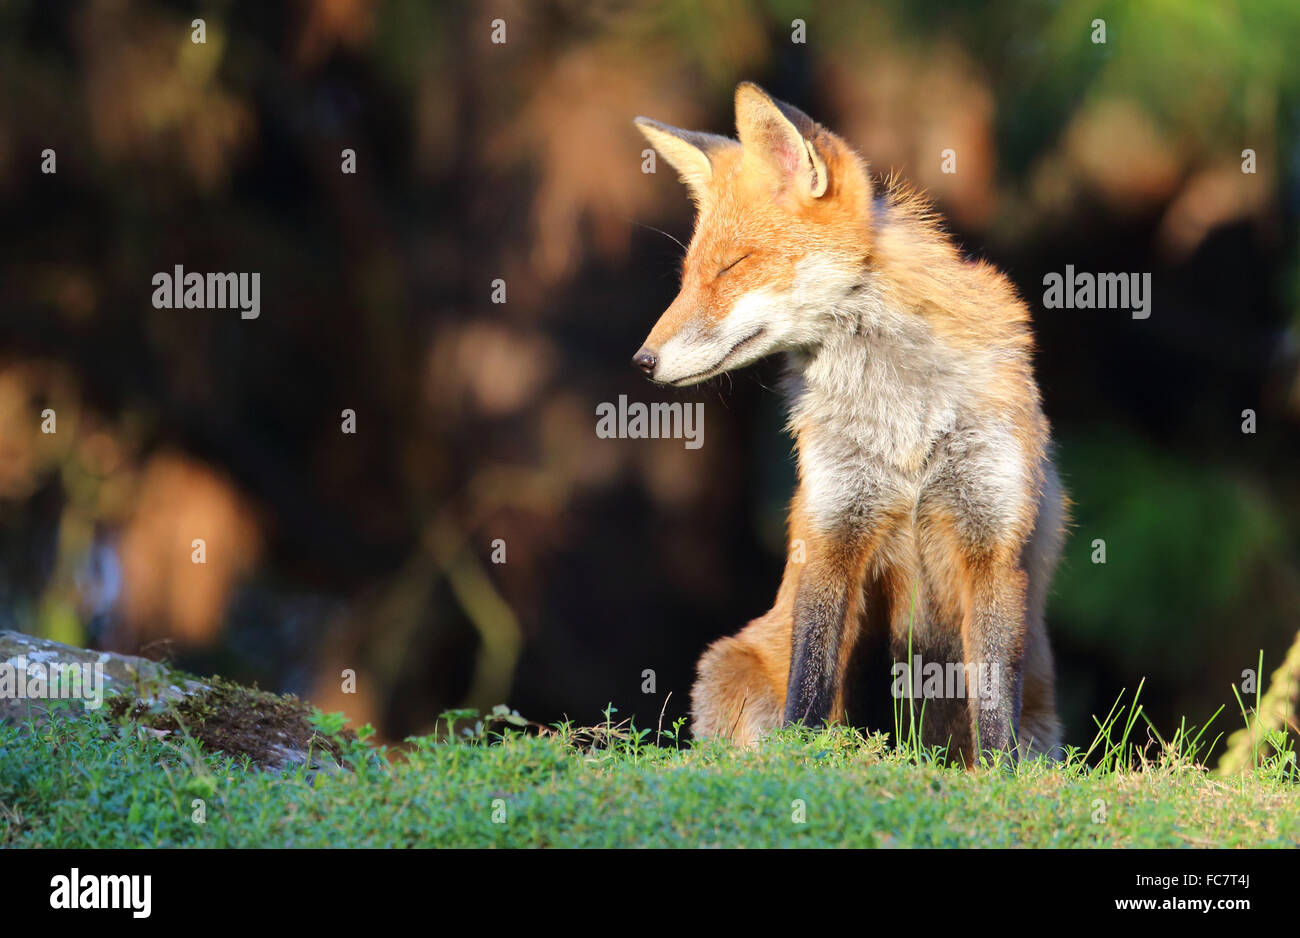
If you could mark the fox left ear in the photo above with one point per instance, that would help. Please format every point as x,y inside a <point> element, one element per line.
<point>780,137</point>
<point>689,152</point>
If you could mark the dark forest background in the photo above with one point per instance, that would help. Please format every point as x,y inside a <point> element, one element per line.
<point>479,161</point>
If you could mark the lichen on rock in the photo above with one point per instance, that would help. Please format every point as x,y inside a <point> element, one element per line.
<point>272,730</point>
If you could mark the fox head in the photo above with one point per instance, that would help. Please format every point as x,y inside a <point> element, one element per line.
<point>782,235</point>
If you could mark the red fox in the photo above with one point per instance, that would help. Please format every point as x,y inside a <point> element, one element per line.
<point>928,517</point>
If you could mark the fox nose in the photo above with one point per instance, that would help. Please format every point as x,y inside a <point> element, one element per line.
<point>646,361</point>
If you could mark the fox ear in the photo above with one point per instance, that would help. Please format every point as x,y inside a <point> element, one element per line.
<point>686,150</point>
<point>779,137</point>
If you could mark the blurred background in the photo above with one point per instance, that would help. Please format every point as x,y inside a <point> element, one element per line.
<point>517,161</point>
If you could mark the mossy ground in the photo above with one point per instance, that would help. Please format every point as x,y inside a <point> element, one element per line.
<point>237,720</point>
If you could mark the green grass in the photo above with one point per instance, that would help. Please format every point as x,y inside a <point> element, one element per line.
<point>89,780</point>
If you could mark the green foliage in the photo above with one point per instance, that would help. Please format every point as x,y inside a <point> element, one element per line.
<point>327,724</point>
<point>1183,543</point>
<point>1209,74</point>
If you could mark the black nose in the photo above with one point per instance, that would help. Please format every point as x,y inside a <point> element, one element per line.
<point>646,361</point>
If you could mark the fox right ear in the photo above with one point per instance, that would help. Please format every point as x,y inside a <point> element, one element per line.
<point>687,151</point>
<point>780,138</point>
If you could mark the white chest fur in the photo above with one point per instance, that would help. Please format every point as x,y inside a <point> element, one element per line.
<point>869,405</point>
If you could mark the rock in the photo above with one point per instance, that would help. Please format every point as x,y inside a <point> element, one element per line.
<point>147,681</point>
<point>272,730</point>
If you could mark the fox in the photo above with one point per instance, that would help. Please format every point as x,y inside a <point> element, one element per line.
<point>929,516</point>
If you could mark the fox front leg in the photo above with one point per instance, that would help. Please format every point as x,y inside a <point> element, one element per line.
<point>826,602</point>
<point>993,635</point>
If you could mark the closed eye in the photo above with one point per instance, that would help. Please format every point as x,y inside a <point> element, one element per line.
<point>731,265</point>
